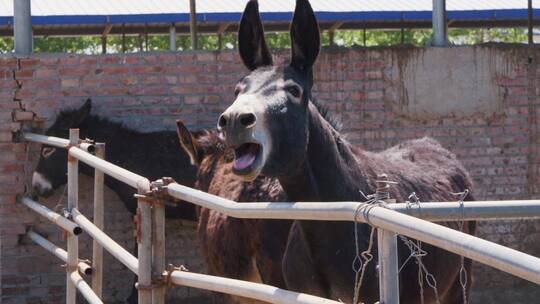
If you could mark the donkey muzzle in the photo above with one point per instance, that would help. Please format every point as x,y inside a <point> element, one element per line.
<point>237,126</point>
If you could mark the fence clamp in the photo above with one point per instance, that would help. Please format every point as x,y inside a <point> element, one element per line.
<point>165,278</point>
<point>158,191</point>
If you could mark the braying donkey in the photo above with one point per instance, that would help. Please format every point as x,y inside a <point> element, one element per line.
<point>276,131</point>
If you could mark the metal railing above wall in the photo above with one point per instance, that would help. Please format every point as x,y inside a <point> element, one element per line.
<point>389,219</point>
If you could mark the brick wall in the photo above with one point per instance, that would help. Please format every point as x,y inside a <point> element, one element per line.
<point>369,91</point>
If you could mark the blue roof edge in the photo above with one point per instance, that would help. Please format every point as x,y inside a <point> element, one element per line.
<point>506,14</point>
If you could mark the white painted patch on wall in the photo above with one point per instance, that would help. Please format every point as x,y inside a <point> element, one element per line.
<point>436,83</point>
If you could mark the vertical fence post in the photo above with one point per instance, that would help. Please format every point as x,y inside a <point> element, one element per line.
<point>388,267</point>
<point>158,250</point>
<point>97,249</point>
<point>73,201</point>
<point>387,247</point>
<point>144,241</point>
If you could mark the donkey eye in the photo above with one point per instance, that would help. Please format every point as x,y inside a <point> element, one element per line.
<point>47,152</point>
<point>236,91</point>
<point>294,91</point>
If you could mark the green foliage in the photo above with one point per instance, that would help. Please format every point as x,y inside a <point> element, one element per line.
<point>85,45</point>
<point>476,36</point>
<point>346,38</point>
<point>6,45</point>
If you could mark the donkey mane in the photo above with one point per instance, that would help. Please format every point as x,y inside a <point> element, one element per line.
<point>104,122</point>
<point>325,113</point>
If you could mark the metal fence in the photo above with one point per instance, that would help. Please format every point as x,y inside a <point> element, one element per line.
<point>389,219</point>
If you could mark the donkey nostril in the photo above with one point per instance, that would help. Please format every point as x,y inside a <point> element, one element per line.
<point>247,119</point>
<point>222,122</point>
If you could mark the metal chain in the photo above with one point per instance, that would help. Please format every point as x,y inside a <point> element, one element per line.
<point>463,276</point>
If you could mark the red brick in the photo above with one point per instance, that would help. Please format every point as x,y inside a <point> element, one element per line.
<point>24,74</point>
<point>75,71</point>
<point>28,63</point>
<point>46,73</point>
<point>70,83</point>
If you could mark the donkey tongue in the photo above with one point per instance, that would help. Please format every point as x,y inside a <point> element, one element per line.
<point>245,156</point>
<point>244,161</point>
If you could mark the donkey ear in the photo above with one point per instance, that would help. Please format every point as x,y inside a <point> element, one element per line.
<point>251,43</point>
<point>187,142</point>
<point>305,37</point>
<point>83,112</point>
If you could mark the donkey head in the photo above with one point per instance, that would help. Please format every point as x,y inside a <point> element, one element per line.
<point>51,169</point>
<point>267,124</point>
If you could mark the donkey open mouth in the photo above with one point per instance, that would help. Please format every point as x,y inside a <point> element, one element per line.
<point>247,158</point>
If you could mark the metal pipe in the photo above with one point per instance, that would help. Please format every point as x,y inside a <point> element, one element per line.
<point>172,37</point>
<point>344,211</point>
<point>52,216</point>
<point>439,23</point>
<point>193,24</point>
<point>56,141</point>
<point>503,258</point>
<point>72,203</point>
<point>388,266</point>
<point>57,251</point>
<point>83,288</point>
<point>22,29</point>
<point>144,242</point>
<point>97,249</point>
<point>123,37</point>
<point>251,290</point>
<point>103,44</point>
<point>530,22</point>
<point>121,174</point>
<point>500,257</point>
<point>104,240</point>
<point>158,249</point>
<point>469,211</point>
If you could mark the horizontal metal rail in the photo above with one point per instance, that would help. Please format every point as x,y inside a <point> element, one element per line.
<point>134,180</point>
<point>106,242</point>
<point>468,211</point>
<point>52,216</point>
<point>344,211</point>
<point>56,141</point>
<point>57,251</point>
<point>251,290</point>
<point>506,259</point>
<point>193,279</point>
<point>84,288</point>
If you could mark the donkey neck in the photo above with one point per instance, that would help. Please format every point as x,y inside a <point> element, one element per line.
<point>330,171</point>
<point>115,135</point>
